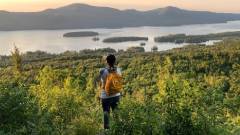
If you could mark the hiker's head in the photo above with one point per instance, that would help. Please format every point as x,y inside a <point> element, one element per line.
<point>111,59</point>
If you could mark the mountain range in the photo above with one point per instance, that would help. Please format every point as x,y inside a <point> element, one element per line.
<point>83,16</point>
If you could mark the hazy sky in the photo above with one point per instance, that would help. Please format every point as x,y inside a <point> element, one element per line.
<point>211,5</point>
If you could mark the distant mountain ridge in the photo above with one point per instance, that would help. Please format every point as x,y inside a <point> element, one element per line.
<point>83,16</point>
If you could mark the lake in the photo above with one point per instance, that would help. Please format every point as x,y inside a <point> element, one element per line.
<point>52,41</point>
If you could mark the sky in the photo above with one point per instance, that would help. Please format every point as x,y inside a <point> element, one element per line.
<point>206,5</point>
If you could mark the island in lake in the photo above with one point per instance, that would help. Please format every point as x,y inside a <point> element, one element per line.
<point>135,49</point>
<point>124,39</point>
<point>81,34</point>
<point>183,38</point>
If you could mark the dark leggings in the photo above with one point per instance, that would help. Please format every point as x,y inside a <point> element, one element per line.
<point>106,105</point>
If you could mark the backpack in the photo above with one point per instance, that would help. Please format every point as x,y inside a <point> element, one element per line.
<point>114,83</point>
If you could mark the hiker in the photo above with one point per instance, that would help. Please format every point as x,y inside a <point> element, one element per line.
<point>111,85</point>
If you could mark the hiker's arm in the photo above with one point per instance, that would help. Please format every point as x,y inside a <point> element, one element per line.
<point>99,83</point>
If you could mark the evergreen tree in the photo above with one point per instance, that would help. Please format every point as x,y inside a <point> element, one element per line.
<point>17,60</point>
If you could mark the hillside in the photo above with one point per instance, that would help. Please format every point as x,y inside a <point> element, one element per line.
<point>192,90</point>
<point>76,16</point>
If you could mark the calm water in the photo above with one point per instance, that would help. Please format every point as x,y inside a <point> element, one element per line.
<point>53,41</point>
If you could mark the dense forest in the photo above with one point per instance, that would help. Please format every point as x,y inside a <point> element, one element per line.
<point>194,90</point>
<point>183,38</point>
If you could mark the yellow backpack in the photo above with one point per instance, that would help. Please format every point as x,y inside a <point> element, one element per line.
<point>114,83</point>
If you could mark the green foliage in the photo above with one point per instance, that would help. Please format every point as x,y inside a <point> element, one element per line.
<point>17,60</point>
<point>136,118</point>
<point>187,91</point>
<point>59,96</point>
<point>16,109</point>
